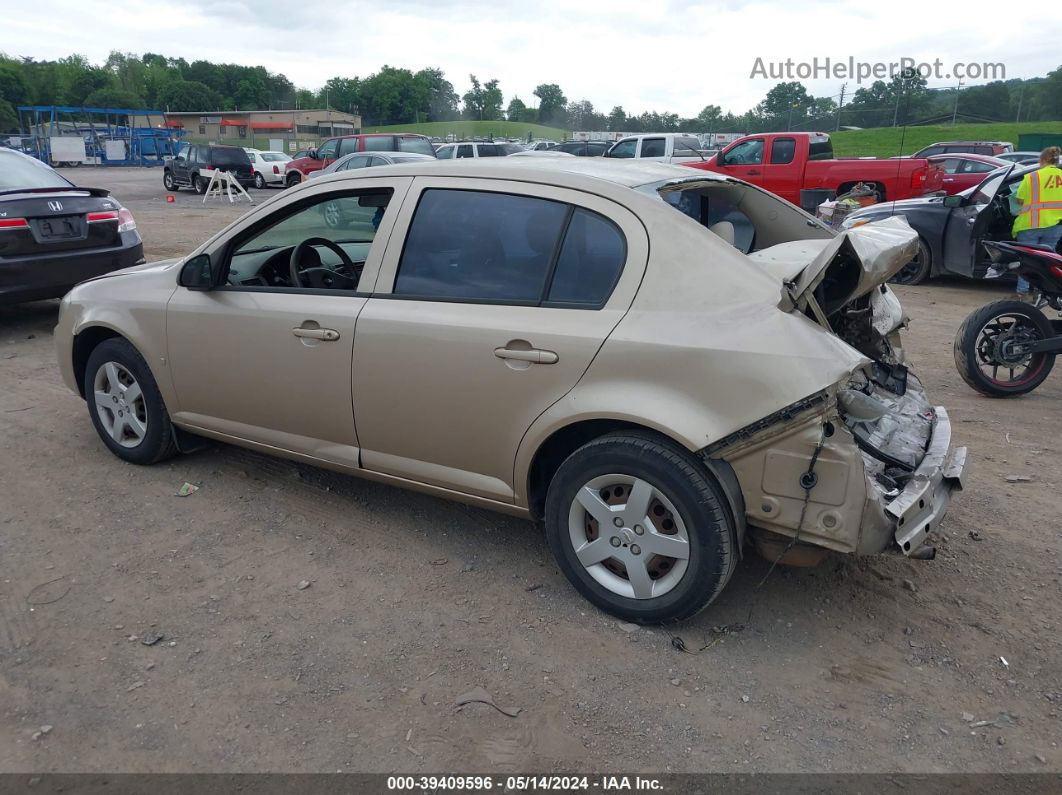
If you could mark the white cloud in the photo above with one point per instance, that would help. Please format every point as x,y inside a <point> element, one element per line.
<point>674,56</point>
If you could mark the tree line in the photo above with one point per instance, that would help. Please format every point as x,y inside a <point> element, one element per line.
<point>395,95</point>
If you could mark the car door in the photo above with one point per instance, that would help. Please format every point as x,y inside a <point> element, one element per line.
<point>262,359</point>
<point>744,160</point>
<point>969,224</point>
<point>182,164</point>
<point>493,299</point>
<point>779,171</point>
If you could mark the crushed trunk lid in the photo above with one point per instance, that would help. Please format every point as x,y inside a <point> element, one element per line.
<point>849,266</point>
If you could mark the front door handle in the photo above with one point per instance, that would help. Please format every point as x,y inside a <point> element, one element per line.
<point>533,355</point>
<point>753,173</point>
<point>323,334</point>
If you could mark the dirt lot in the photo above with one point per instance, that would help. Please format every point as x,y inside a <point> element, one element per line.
<point>880,664</point>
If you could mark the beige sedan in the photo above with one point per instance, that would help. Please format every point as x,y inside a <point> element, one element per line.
<point>664,367</point>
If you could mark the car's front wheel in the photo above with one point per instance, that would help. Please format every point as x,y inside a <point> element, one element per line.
<point>293,178</point>
<point>641,528</point>
<point>168,182</point>
<point>918,269</point>
<point>125,404</point>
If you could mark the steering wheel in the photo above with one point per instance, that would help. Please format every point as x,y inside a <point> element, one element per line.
<point>320,276</point>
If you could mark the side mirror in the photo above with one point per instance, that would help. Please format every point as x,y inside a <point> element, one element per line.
<point>196,274</point>
<point>314,154</point>
<point>953,201</point>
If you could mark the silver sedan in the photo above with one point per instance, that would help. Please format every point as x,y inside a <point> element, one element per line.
<point>367,159</point>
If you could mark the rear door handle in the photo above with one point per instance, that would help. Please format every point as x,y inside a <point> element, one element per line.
<point>533,355</point>
<point>323,334</point>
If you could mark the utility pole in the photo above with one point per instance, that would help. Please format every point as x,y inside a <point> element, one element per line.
<point>840,103</point>
<point>1021,93</point>
<point>896,109</point>
<point>955,110</point>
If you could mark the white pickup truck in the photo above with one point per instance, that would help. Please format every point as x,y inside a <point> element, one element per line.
<point>661,147</point>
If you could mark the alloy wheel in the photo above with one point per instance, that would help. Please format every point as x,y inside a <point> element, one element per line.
<point>120,404</point>
<point>628,536</point>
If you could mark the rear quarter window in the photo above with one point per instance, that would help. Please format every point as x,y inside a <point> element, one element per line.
<point>590,262</point>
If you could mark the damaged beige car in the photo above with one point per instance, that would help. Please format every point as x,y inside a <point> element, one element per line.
<point>660,366</point>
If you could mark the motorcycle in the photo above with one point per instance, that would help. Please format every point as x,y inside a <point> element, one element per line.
<point>1008,348</point>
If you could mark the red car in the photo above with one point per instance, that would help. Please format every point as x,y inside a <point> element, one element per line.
<point>331,149</point>
<point>800,167</point>
<point>962,171</point>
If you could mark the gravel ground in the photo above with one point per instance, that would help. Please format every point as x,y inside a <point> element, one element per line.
<point>877,664</point>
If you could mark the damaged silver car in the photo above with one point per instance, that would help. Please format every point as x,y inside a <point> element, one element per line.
<point>867,464</point>
<point>660,366</point>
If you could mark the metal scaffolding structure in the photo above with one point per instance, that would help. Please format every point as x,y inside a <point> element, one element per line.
<point>108,136</point>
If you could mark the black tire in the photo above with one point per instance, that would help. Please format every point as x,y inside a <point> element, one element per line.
<point>917,270</point>
<point>698,498</point>
<point>292,179</point>
<point>259,180</point>
<point>168,182</point>
<point>199,185</point>
<point>157,443</point>
<point>976,347</point>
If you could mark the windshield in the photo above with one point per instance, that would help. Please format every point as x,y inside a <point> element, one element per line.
<point>18,171</point>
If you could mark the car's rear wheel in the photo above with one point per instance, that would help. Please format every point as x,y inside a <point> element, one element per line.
<point>918,269</point>
<point>168,182</point>
<point>199,184</point>
<point>259,180</point>
<point>641,528</point>
<point>125,404</point>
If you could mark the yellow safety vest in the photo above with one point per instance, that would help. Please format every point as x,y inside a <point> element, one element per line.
<point>1041,196</point>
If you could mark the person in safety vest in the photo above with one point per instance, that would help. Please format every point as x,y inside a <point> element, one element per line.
<point>1040,198</point>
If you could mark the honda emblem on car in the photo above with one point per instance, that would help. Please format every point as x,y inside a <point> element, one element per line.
<point>55,206</point>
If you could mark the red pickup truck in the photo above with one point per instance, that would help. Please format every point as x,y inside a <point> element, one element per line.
<point>800,167</point>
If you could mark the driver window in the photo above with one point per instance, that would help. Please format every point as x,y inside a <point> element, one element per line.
<point>746,153</point>
<point>322,245</point>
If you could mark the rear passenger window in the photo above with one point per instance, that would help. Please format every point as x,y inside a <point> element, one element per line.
<point>380,143</point>
<point>488,150</point>
<point>497,247</point>
<point>652,147</point>
<point>590,260</point>
<point>480,246</point>
<point>782,150</point>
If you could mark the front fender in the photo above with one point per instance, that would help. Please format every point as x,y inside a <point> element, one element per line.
<point>132,307</point>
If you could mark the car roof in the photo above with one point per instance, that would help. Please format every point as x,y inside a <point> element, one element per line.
<point>577,172</point>
<point>990,159</point>
<point>966,143</point>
